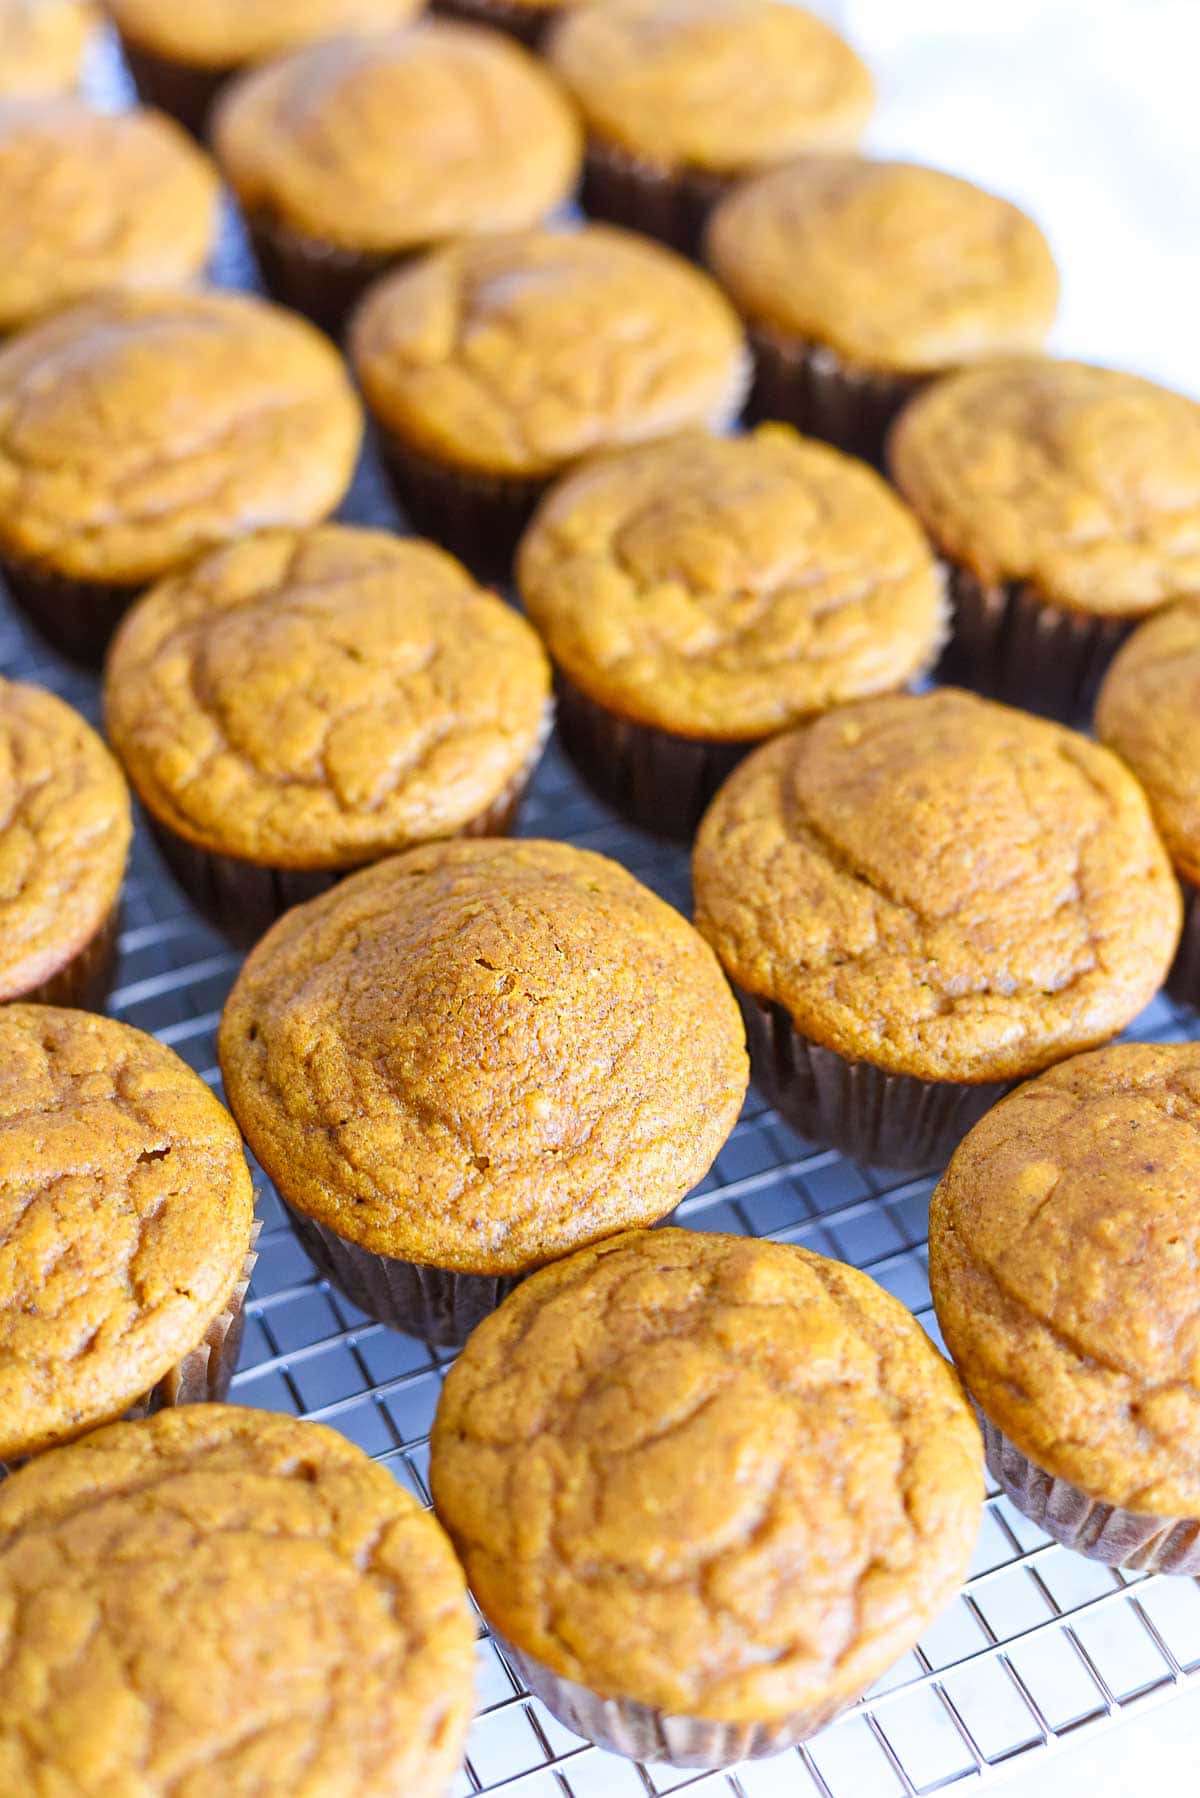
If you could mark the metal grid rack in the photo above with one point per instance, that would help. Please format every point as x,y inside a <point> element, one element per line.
<point>1041,1646</point>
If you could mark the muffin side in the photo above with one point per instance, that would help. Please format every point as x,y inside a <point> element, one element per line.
<point>42,46</point>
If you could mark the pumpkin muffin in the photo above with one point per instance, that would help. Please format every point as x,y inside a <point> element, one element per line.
<point>470,1060</point>
<point>1066,500</point>
<point>1062,1253</point>
<point>92,200</point>
<point>42,44</point>
<point>703,593</point>
<point>126,1211</point>
<point>708,1488</point>
<point>181,55</point>
<point>352,156</point>
<point>922,899</point>
<point>682,98</point>
<point>138,430</point>
<point>304,702</point>
<point>860,280</point>
<point>64,843</point>
<point>492,366</point>
<point>224,1600</point>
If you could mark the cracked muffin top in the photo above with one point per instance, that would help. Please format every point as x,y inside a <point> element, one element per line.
<point>138,429</point>
<point>317,699</point>
<point>1063,1243</point>
<point>1083,481</point>
<point>891,264</point>
<point>125,1211</point>
<point>221,34</point>
<point>92,200</point>
<point>518,355</point>
<point>481,1055</point>
<point>391,144</point>
<point>42,44</point>
<point>939,885</point>
<point>721,85</point>
<point>1149,712</point>
<point>729,587</point>
<point>721,1476</point>
<point>65,829</point>
<point>222,1599</point>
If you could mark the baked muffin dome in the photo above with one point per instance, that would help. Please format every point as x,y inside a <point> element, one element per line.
<point>42,43</point>
<point>1148,712</point>
<point>221,34</point>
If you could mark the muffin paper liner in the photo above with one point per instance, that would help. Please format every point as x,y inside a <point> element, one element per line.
<point>644,1733</point>
<point>528,23</point>
<point>477,517</point>
<point>809,386</point>
<point>322,280</point>
<point>430,1302</point>
<point>186,93</point>
<point>1183,982</point>
<point>1102,1532</point>
<point>670,204</point>
<point>86,980</point>
<point>77,618</point>
<point>885,1120</point>
<point>1010,644</point>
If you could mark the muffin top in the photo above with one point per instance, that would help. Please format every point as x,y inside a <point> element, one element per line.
<point>221,34</point>
<point>1083,481</point>
<point>892,265</point>
<point>1062,1254</point>
<point>398,142</point>
<point>517,355</point>
<point>1149,712</point>
<point>92,200</point>
<point>939,885</point>
<point>42,44</point>
<point>316,699</point>
<point>721,85</point>
<point>721,1476</point>
<point>218,1588</point>
<point>138,429</point>
<point>481,1055</point>
<point>64,836</point>
<point>727,587</point>
<point>125,1211</point>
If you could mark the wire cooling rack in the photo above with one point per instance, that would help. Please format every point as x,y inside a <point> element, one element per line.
<point>1041,1646</point>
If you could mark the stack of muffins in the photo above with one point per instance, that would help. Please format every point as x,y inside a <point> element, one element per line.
<point>705,1489</point>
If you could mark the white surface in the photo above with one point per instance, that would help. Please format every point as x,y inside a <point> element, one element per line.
<point>1152,1756</point>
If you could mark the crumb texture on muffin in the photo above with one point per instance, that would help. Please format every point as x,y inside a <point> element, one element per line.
<point>1063,1247</point>
<point>65,830</point>
<point>318,698</point>
<point>221,34</point>
<point>725,1477</point>
<point>1149,712</point>
<point>125,1210</point>
<point>481,1055</point>
<point>893,265</point>
<point>1083,481</point>
<point>42,44</point>
<point>729,587</point>
<point>222,1599</point>
<point>939,885</point>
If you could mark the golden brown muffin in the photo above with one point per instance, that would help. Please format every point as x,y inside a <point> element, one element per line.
<point>1062,1252</point>
<point>137,430</point>
<point>42,43</point>
<point>314,700</point>
<point>859,279</point>
<point>702,593</point>
<point>351,155</point>
<point>260,1606</point>
<point>476,1057</point>
<point>64,842</point>
<point>92,200</point>
<point>933,887</point>
<point>681,97</point>
<point>1067,499</point>
<point>709,1488</point>
<point>125,1210</point>
<point>493,365</point>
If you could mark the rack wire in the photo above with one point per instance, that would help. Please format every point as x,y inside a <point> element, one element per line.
<point>1041,1647</point>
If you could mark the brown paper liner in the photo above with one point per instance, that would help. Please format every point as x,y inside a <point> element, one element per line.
<point>86,980</point>
<point>1010,644</point>
<point>642,1732</point>
<point>1183,982</point>
<point>883,1120</point>
<point>1102,1532</point>
<point>658,780</point>
<point>322,280</point>
<point>433,1303</point>
<point>809,386</point>
<point>670,204</point>
<point>186,93</point>
<point>77,618</point>
<point>528,23</point>
<point>478,518</point>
